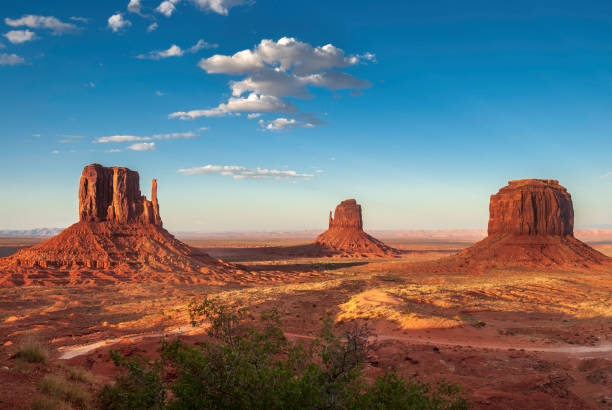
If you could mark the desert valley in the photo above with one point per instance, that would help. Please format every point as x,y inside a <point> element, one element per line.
<point>520,319</point>
<point>322,205</point>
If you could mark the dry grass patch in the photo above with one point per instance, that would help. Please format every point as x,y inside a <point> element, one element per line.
<point>60,388</point>
<point>33,351</point>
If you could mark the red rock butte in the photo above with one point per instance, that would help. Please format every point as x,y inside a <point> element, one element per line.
<point>346,237</point>
<point>531,224</point>
<point>119,238</point>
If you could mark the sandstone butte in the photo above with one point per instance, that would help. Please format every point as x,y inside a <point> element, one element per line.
<point>346,237</point>
<point>531,225</point>
<point>119,238</point>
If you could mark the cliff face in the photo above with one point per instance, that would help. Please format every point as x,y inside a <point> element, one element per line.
<point>532,207</point>
<point>345,235</point>
<point>113,194</point>
<point>346,216</point>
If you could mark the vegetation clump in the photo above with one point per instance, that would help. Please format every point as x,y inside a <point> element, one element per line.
<point>33,351</point>
<point>243,365</point>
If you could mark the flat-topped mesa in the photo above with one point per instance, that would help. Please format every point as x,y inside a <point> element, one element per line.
<point>347,215</point>
<point>531,225</point>
<point>113,194</point>
<point>532,207</point>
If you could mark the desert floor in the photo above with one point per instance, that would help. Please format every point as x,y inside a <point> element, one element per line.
<point>513,339</point>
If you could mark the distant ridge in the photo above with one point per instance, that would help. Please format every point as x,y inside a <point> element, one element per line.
<point>43,232</point>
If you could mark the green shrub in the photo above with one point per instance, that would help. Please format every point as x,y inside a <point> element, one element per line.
<point>248,364</point>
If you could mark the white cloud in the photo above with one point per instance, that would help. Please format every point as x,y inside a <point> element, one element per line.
<point>152,27</point>
<point>46,22</point>
<point>253,115</point>
<point>238,172</point>
<point>55,152</point>
<point>80,19</point>
<point>252,103</point>
<point>36,135</point>
<point>116,22</point>
<point>176,51</point>
<point>134,6</point>
<point>175,135</point>
<point>203,129</point>
<point>11,59</point>
<point>281,124</point>
<point>70,139</point>
<point>159,93</point>
<point>274,70</point>
<point>167,7</point>
<point>20,36</point>
<point>142,146</point>
<point>121,138</point>
<point>607,175</point>
<point>218,6</point>
<point>113,150</point>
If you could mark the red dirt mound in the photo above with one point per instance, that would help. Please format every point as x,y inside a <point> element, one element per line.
<point>346,237</point>
<point>531,224</point>
<point>119,239</point>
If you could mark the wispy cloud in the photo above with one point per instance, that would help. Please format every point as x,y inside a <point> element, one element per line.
<point>252,103</point>
<point>142,146</point>
<point>176,51</point>
<point>121,138</point>
<point>45,22</point>
<point>159,93</point>
<point>113,150</point>
<point>607,175</point>
<point>168,7</point>
<point>175,135</point>
<point>239,172</point>
<point>11,59</point>
<point>152,27</point>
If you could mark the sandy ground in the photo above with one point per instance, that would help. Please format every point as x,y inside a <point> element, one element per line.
<point>514,339</point>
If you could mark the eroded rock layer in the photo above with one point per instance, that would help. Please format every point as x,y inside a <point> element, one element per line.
<point>346,237</point>
<point>119,239</point>
<point>531,225</point>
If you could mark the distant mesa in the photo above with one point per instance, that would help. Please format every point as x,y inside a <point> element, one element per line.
<point>119,238</point>
<point>346,237</point>
<point>531,224</point>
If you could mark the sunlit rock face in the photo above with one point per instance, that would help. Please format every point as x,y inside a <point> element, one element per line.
<point>113,194</point>
<point>532,207</point>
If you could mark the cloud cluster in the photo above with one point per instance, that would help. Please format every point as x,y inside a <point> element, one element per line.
<point>274,70</point>
<point>176,51</point>
<point>168,7</point>
<point>56,26</point>
<point>20,36</point>
<point>238,172</point>
<point>117,22</point>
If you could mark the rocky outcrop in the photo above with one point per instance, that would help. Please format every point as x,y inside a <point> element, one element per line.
<point>119,238</point>
<point>346,237</point>
<point>113,195</point>
<point>531,225</point>
<point>532,207</point>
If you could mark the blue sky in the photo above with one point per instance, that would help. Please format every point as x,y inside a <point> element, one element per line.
<point>419,111</point>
